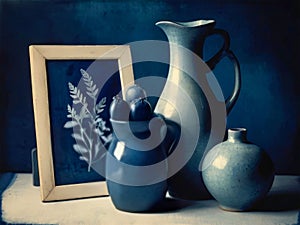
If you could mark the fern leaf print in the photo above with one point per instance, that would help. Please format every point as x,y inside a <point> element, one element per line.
<point>91,133</point>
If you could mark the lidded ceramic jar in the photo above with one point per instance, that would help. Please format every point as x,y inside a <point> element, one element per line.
<point>237,173</point>
<point>136,165</point>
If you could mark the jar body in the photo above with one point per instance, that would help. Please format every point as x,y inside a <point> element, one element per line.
<point>238,174</point>
<point>134,182</point>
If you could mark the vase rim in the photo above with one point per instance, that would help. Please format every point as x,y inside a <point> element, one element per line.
<point>188,24</point>
<point>239,129</point>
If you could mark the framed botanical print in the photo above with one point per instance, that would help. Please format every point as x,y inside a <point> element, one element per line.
<point>72,88</point>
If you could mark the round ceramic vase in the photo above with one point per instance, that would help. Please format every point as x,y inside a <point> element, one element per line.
<point>237,173</point>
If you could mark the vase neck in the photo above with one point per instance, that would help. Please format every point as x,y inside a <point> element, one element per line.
<point>237,135</point>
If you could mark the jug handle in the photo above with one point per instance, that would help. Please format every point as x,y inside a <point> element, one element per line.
<point>226,52</point>
<point>214,60</point>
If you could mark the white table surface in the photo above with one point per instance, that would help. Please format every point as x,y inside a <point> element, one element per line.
<point>21,205</point>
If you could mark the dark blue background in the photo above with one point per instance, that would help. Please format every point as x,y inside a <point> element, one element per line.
<point>265,38</point>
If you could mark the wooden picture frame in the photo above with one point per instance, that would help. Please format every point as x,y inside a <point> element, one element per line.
<point>39,55</point>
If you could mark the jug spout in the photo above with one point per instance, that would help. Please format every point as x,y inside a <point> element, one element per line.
<point>196,23</point>
<point>190,35</point>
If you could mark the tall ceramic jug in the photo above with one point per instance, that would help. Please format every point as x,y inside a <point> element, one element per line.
<point>190,99</point>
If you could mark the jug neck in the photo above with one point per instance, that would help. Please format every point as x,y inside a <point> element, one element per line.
<point>190,35</point>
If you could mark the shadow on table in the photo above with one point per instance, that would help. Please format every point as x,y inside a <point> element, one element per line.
<point>281,202</point>
<point>5,180</point>
<point>276,201</point>
<point>282,198</point>
<point>172,205</point>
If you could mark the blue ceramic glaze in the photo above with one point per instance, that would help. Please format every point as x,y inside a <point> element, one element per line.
<point>237,173</point>
<point>136,171</point>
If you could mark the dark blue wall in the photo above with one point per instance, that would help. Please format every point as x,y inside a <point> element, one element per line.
<point>265,38</point>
